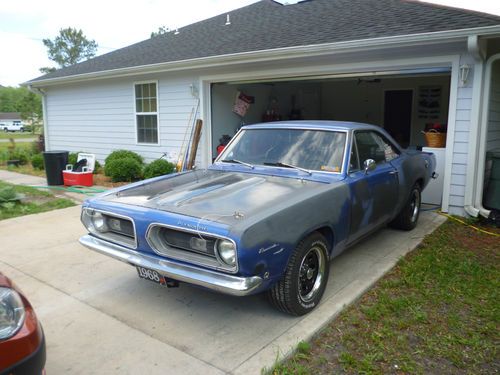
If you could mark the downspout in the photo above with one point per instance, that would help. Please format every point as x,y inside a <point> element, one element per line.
<point>477,51</point>
<point>482,141</point>
<point>41,92</point>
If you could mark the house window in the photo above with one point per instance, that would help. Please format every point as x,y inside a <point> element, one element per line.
<point>146,112</point>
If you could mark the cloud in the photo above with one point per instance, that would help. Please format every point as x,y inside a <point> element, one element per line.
<point>111,23</point>
<point>21,58</point>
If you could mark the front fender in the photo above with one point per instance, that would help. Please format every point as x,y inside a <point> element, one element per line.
<point>266,246</point>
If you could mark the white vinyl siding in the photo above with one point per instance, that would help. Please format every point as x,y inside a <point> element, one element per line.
<point>461,142</point>
<point>99,117</point>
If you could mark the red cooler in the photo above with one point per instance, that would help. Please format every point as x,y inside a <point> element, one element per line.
<point>85,177</point>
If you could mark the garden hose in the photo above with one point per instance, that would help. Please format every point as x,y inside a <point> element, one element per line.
<point>73,189</point>
<point>468,225</point>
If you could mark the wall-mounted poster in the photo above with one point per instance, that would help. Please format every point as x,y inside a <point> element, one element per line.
<point>242,103</point>
<point>429,102</point>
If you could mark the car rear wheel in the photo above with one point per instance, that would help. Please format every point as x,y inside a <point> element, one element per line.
<point>408,217</point>
<point>304,281</point>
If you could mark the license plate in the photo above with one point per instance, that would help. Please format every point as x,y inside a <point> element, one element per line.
<point>151,275</point>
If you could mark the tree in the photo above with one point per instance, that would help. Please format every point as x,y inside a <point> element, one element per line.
<point>161,30</point>
<point>21,100</point>
<point>68,48</point>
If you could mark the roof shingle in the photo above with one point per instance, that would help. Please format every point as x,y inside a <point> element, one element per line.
<point>269,25</point>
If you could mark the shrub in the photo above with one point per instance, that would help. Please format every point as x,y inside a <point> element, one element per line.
<point>17,154</point>
<point>157,168</point>
<point>122,154</point>
<point>37,161</point>
<point>124,169</point>
<point>38,145</point>
<point>97,167</point>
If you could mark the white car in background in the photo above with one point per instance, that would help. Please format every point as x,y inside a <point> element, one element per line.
<point>16,126</point>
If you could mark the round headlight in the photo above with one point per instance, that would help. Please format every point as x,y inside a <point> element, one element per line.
<point>11,312</point>
<point>99,222</point>
<point>227,252</point>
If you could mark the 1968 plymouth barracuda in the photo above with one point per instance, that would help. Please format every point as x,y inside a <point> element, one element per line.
<point>278,203</point>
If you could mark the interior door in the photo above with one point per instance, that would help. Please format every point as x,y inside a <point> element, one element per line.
<point>397,115</point>
<point>374,194</point>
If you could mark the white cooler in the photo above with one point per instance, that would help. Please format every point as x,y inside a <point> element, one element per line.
<point>433,193</point>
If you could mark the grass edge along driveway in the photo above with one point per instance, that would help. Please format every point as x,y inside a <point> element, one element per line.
<point>436,312</point>
<point>33,201</point>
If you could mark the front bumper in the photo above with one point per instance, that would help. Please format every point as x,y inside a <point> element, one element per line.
<point>32,364</point>
<point>227,284</point>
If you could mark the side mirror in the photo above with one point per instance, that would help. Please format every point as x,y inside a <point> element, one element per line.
<point>369,165</point>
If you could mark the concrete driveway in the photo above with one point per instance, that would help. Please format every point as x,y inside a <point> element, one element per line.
<point>99,317</point>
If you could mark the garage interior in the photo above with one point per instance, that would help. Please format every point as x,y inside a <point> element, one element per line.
<point>402,104</point>
<point>405,103</point>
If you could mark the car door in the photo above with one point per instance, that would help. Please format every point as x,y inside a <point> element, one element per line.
<point>374,193</point>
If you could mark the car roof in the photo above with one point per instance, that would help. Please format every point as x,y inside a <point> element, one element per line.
<point>313,124</point>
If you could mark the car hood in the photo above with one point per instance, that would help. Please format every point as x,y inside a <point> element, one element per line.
<point>217,195</point>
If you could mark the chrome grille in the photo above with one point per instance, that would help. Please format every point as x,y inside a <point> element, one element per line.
<point>186,245</point>
<point>188,241</point>
<point>119,225</point>
<point>117,228</point>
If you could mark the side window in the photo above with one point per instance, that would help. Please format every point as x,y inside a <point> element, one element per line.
<point>354,160</point>
<point>390,151</point>
<point>374,146</point>
<point>146,112</point>
<point>369,147</point>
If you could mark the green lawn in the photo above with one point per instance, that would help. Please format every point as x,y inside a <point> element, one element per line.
<point>33,201</point>
<point>436,312</point>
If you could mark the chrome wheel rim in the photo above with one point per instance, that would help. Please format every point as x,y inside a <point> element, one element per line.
<point>415,205</point>
<point>311,274</point>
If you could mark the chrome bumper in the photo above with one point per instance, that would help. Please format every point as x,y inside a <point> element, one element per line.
<point>228,284</point>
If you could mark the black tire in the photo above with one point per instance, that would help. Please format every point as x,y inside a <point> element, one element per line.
<point>408,217</point>
<point>304,281</point>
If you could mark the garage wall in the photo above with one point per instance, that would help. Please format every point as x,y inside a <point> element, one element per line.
<point>267,96</point>
<point>361,101</point>
<point>99,117</point>
<point>224,120</point>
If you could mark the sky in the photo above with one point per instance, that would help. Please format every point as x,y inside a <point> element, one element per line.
<point>112,24</point>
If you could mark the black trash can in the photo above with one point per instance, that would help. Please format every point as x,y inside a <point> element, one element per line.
<point>55,163</point>
<point>492,194</point>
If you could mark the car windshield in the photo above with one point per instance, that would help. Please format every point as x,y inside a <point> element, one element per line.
<point>314,150</point>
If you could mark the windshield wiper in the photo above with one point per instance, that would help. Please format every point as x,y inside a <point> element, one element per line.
<point>280,164</point>
<point>238,162</point>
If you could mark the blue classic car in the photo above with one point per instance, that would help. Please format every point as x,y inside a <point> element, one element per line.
<point>280,201</point>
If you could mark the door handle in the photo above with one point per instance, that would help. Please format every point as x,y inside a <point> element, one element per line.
<point>393,172</point>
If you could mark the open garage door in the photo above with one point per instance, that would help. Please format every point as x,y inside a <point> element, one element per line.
<point>403,102</point>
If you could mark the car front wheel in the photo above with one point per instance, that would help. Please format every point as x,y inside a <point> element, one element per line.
<point>304,281</point>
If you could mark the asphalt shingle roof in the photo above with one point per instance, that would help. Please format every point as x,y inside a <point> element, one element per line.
<point>269,25</point>
<point>10,116</point>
